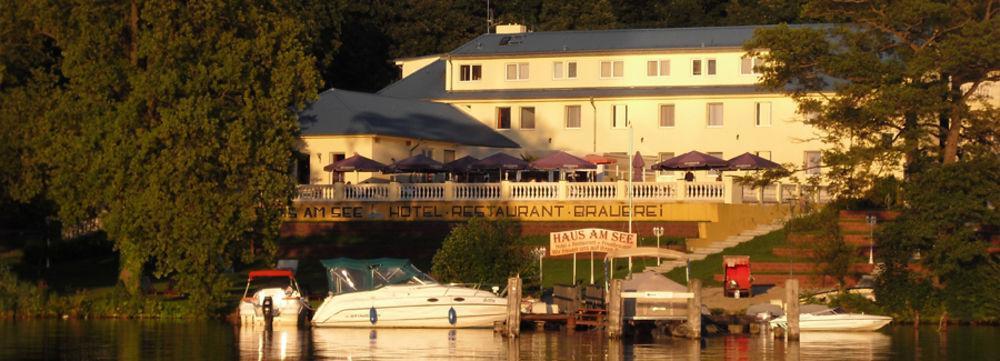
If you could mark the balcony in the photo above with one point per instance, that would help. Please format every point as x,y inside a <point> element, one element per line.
<point>721,192</point>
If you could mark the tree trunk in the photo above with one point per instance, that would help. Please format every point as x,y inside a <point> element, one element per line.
<point>133,27</point>
<point>911,144</point>
<point>951,142</point>
<point>954,124</point>
<point>130,272</point>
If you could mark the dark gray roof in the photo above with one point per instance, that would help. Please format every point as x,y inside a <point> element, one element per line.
<point>609,40</point>
<point>426,83</point>
<point>342,112</point>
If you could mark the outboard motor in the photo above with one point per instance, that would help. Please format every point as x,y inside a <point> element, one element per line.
<point>267,308</point>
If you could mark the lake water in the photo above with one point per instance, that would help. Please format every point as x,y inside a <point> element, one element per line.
<point>215,340</point>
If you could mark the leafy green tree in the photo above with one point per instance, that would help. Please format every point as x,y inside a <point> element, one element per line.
<point>173,124</point>
<point>483,251</point>
<point>758,12</point>
<point>900,80</point>
<point>576,15</point>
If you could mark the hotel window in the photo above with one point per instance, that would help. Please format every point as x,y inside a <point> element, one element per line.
<point>527,117</point>
<point>748,66</point>
<point>619,116</point>
<point>714,111</point>
<point>564,70</point>
<point>658,68</point>
<point>429,153</point>
<point>612,69</point>
<point>666,115</point>
<point>572,116</point>
<point>470,72</point>
<point>449,155</point>
<point>517,71</point>
<point>503,118</point>
<point>696,68</point>
<point>812,162</point>
<point>762,114</point>
<point>766,154</point>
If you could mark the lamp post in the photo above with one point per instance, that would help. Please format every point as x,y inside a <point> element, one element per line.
<point>872,220</point>
<point>658,232</point>
<point>540,252</point>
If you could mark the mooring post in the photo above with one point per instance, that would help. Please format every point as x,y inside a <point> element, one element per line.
<point>792,308</point>
<point>694,308</point>
<point>615,309</point>
<point>513,328</point>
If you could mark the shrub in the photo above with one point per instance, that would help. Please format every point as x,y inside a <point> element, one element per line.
<point>483,251</point>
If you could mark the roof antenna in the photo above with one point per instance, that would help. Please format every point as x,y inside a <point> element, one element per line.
<point>489,17</point>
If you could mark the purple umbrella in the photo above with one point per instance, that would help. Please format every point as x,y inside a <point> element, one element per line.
<point>692,160</point>
<point>355,163</point>
<point>462,164</point>
<point>501,161</point>
<point>561,160</point>
<point>747,161</point>
<point>416,164</point>
<point>637,164</point>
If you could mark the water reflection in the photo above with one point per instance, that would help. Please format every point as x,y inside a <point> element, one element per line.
<point>211,340</point>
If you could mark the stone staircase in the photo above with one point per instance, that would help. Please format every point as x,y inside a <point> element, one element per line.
<point>699,253</point>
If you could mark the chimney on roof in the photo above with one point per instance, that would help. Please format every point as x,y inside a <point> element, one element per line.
<point>511,29</point>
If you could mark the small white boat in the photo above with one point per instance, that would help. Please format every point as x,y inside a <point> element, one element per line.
<point>275,300</point>
<point>832,320</point>
<point>389,292</point>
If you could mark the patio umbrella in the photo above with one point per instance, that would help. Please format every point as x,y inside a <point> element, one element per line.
<point>462,164</point>
<point>501,161</point>
<point>561,160</point>
<point>637,164</point>
<point>747,161</point>
<point>459,165</point>
<point>598,159</point>
<point>416,164</point>
<point>355,163</point>
<point>692,160</point>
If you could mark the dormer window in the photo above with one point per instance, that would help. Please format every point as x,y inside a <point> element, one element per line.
<point>470,72</point>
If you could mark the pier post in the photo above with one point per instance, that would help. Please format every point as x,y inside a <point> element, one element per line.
<point>694,308</point>
<point>513,325</point>
<point>792,308</point>
<point>615,309</point>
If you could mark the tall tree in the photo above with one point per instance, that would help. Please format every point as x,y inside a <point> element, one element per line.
<point>903,81</point>
<point>576,15</point>
<point>173,124</point>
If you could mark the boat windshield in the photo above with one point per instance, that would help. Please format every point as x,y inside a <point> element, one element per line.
<point>364,275</point>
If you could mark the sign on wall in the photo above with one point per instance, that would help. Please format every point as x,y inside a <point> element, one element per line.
<point>589,240</point>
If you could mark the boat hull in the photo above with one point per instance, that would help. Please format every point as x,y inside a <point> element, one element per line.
<point>840,322</point>
<point>412,307</point>
<point>288,310</point>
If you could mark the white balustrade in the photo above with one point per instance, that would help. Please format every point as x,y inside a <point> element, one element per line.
<point>366,192</point>
<point>654,190</point>
<point>704,191</point>
<point>476,191</point>
<point>421,191</point>
<point>316,192</point>
<point>592,191</point>
<point>534,191</point>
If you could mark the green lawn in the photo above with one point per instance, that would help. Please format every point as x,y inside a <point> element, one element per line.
<point>759,250</point>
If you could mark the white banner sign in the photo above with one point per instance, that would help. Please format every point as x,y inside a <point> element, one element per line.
<point>589,240</point>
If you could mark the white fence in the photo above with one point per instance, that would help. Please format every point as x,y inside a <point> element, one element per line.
<point>680,191</point>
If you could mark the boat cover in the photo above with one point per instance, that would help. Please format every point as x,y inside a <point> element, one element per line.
<point>351,275</point>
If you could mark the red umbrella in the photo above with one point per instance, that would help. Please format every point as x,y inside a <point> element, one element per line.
<point>598,159</point>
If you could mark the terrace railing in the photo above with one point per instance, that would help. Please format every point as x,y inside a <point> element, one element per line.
<point>726,191</point>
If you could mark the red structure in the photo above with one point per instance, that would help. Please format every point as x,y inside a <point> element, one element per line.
<point>737,276</point>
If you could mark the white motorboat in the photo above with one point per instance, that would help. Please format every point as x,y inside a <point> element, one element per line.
<point>275,299</point>
<point>832,320</point>
<point>389,292</point>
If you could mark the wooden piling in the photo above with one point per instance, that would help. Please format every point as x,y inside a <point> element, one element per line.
<point>513,325</point>
<point>792,308</point>
<point>615,309</point>
<point>694,308</point>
